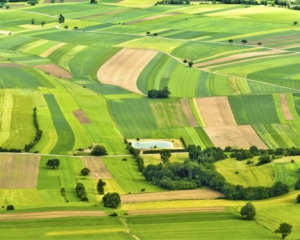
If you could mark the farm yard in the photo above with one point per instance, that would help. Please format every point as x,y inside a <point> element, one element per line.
<point>234,81</point>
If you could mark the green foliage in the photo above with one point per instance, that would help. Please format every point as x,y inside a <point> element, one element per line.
<point>85,171</point>
<point>100,186</point>
<point>98,150</point>
<point>264,159</point>
<point>10,207</point>
<point>81,192</point>
<point>284,229</point>
<point>248,211</point>
<point>298,199</point>
<point>297,184</point>
<point>111,200</point>
<point>164,93</point>
<point>61,18</point>
<point>54,163</point>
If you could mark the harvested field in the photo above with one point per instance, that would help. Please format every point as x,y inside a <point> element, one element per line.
<point>216,112</point>
<point>19,171</point>
<point>150,18</point>
<point>97,167</point>
<point>176,210</point>
<point>56,214</point>
<point>51,50</point>
<point>273,40</point>
<point>239,56</point>
<point>239,136</point>
<point>54,70</point>
<point>10,65</point>
<point>4,32</point>
<point>188,112</point>
<point>124,68</point>
<point>171,195</point>
<point>80,115</point>
<point>102,14</point>
<point>290,46</point>
<point>285,107</point>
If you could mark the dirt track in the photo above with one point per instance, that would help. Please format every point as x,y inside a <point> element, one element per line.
<point>171,195</point>
<point>176,210</point>
<point>285,107</point>
<point>52,49</point>
<point>56,214</point>
<point>10,65</point>
<point>188,112</point>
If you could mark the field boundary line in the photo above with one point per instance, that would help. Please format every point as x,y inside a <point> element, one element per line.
<point>128,229</point>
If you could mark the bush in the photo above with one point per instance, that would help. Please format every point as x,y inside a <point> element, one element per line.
<point>10,207</point>
<point>298,198</point>
<point>111,200</point>
<point>85,171</point>
<point>114,214</point>
<point>99,150</point>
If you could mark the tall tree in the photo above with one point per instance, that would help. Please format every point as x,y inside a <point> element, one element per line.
<point>61,18</point>
<point>230,41</point>
<point>248,211</point>
<point>100,186</point>
<point>99,151</point>
<point>284,229</point>
<point>244,41</point>
<point>54,163</point>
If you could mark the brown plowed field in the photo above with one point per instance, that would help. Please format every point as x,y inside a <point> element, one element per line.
<point>171,195</point>
<point>176,210</point>
<point>44,215</point>
<point>19,171</point>
<point>97,167</point>
<point>188,112</point>
<point>124,68</point>
<point>239,136</point>
<point>51,50</point>
<point>80,115</point>
<point>216,111</point>
<point>10,65</point>
<point>285,107</point>
<point>54,70</point>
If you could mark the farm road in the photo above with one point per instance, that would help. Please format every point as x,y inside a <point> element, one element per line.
<point>55,214</point>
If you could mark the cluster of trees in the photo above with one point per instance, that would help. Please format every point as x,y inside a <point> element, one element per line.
<point>33,2</point>
<point>199,171</point>
<point>164,93</point>
<point>10,150</point>
<point>85,171</point>
<point>174,2</point>
<point>99,150</point>
<point>248,211</point>
<point>38,133</point>
<point>100,186</point>
<point>111,200</point>
<point>81,193</point>
<point>53,163</point>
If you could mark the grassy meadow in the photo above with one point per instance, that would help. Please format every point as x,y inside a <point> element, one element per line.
<point>56,69</point>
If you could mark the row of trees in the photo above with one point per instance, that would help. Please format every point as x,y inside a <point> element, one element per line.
<point>81,193</point>
<point>174,2</point>
<point>38,132</point>
<point>164,93</point>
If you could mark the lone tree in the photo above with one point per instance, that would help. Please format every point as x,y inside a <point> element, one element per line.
<point>100,186</point>
<point>61,18</point>
<point>244,41</point>
<point>111,200</point>
<point>190,64</point>
<point>165,154</point>
<point>85,171</point>
<point>230,41</point>
<point>284,229</point>
<point>54,163</point>
<point>295,23</point>
<point>259,44</point>
<point>66,27</point>
<point>99,151</point>
<point>297,184</point>
<point>10,207</point>
<point>248,211</point>
<point>43,23</point>
<point>32,21</point>
<point>298,198</point>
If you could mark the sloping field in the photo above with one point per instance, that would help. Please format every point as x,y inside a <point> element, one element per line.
<point>285,107</point>
<point>80,115</point>
<point>19,171</point>
<point>171,195</point>
<point>54,70</point>
<point>49,51</point>
<point>216,111</point>
<point>176,210</point>
<point>124,68</point>
<point>237,136</point>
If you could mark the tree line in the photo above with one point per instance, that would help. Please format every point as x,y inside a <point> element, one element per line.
<point>38,132</point>
<point>164,93</point>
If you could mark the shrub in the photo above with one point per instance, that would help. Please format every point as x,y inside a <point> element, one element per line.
<point>114,214</point>
<point>85,171</point>
<point>298,198</point>
<point>10,207</point>
<point>111,200</point>
<point>99,150</point>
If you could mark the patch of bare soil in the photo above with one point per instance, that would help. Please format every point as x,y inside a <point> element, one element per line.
<point>290,46</point>
<point>216,111</point>
<point>150,18</point>
<point>239,56</point>
<point>54,70</point>
<point>176,210</point>
<point>97,167</point>
<point>188,112</point>
<point>80,115</point>
<point>19,171</point>
<point>51,50</point>
<point>4,32</point>
<point>124,68</point>
<point>240,136</point>
<point>56,214</point>
<point>285,107</point>
<point>10,65</point>
<point>171,195</point>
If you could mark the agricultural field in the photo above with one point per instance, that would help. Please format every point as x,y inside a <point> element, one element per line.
<point>234,80</point>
